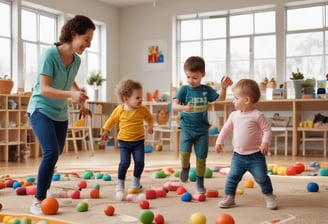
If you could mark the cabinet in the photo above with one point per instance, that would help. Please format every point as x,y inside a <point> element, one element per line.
<point>17,140</point>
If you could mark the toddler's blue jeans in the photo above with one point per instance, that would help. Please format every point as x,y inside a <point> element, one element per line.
<point>254,163</point>
<point>137,150</point>
<point>51,136</point>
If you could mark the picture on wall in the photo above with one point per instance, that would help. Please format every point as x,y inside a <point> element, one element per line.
<point>154,52</point>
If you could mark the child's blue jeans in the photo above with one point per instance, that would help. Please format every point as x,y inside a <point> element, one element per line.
<point>137,150</point>
<point>51,136</point>
<point>254,163</point>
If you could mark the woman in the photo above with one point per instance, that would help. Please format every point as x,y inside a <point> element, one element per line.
<point>55,83</point>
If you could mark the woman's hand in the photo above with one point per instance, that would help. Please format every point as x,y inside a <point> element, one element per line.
<point>79,96</point>
<point>84,112</point>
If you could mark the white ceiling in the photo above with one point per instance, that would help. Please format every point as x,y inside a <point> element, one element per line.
<point>124,3</point>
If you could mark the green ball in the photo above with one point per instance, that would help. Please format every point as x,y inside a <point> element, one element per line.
<point>146,217</point>
<point>87,174</point>
<point>99,176</point>
<point>192,175</point>
<point>159,174</point>
<point>177,173</point>
<point>82,207</point>
<point>208,173</point>
<point>323,172</point>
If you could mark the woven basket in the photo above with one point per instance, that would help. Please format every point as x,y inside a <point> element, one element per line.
<point>6,86</point>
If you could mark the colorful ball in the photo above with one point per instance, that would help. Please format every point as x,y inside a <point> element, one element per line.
<point>148,149</point>
<point>186,197</point>
<point>248,183</point>
<point>109,210</point>
<point>159,219</point>
<point>291,171</point>
<point>323,172</point>
<point>146,216</point>
<point>208,173</point>
<point>49,206</point>
<point>197,218</point>
<point>82,206</point>
<point>224,219</point>
<point>192,175</point>
<point>312,187</point>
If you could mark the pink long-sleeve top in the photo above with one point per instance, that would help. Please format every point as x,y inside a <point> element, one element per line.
<point>250,129</point>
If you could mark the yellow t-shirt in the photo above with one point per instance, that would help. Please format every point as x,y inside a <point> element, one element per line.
<point>131,122</point>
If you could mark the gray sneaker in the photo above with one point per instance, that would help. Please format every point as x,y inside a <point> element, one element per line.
<point>227,202</point>
<point>36,208</point>
<point>184,174</point>
<point>271,201</point>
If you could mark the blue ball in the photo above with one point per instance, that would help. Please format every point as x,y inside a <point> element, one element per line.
<point>312,187</point>
<point>16,184</point>
<point>107,177</point>
<point>186,197</point>
<point>56,177</point>
<point>148,148</point>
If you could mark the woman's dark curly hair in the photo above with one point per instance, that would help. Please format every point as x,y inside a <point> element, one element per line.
<point>77,25</point>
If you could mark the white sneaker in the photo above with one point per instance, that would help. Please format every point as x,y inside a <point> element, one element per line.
<point>36,208</point>
<point>271,201</point>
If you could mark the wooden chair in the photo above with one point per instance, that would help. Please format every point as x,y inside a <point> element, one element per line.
<point>80,130</point>
<point>318,135</point>
<point>282,132</point>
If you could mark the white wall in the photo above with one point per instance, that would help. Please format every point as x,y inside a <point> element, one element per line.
<point>145,22</point>
<point>98,12</point>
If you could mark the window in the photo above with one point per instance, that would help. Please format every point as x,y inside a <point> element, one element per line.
<point>306,41</point>
<point>242,45</point>
<point>38,33</point>
<point>5,39</point>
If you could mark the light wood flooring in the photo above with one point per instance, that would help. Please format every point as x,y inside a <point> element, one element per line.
<point>108,159</point>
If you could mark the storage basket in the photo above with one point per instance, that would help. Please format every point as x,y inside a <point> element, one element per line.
<point>6,85</point>
<point>280,121</point>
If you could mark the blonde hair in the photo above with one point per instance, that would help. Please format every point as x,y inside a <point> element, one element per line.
<point>249,88</point>
<point>125,88</point>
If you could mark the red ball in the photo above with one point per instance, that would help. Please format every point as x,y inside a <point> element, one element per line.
<point>291,171</point>
<point>109,210</point>
<point>144,204</point>
<point>82,184</point>
<point>75,194</point>
<point>150,194</point>
<point>299,167</point>
<point>0,206</point>
<point>159,219</point>
<point>181,190</point>
<point>224,218</point>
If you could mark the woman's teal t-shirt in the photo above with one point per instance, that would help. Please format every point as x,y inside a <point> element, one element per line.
<point>63,77</point>
<point>198,97</point>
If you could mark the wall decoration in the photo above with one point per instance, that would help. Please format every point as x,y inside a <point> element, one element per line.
<point>154,55</point>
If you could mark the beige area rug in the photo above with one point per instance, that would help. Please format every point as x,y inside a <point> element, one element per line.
<point>296,204</point>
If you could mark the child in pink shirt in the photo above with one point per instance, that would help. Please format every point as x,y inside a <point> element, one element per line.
<point>251,138</point>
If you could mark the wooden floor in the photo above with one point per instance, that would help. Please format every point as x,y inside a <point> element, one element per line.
<point>108,160</point>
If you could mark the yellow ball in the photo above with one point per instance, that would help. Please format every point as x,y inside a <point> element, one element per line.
<point>197,218</point>
<point>248,183</point>
<point>282,171</point>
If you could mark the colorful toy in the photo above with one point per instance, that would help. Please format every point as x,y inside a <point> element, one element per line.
<point>49,206</point>
<point>197,218</point>
<point>159,219</point>
<point>144,204</point>
<point>224,218</point>
<point>312,187</point>
<point>248,183</point>
<point>199,197</point>
<point>109,210</point>
<point>186,197</point>
<point>82,206</point>
<point>146,216</point>
<point>212,193</point>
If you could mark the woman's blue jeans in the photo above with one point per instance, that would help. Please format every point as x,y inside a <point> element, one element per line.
<point>255,164</point>
<point>137,150</point>
<point>51,136</point>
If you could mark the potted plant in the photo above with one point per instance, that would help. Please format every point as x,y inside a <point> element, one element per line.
<point>6,84</point>
<point>298,79</point>
<point>95,79</point>
<point>308,86</point>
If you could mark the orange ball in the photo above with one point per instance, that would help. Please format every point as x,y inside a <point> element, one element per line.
<point>94,193</point>
<point>49,206</point>
<point>224,218</point>
<point>109,210</point>
<point>2,185</point>
<point>291,171</point>
<point>248,183</point>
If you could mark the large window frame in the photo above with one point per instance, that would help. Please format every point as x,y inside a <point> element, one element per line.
<point>5,39</point>
<point>307,40</point>
<point>250,64</point>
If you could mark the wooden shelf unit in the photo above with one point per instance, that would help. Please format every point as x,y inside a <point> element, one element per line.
<point>17,140</point>
<point>296,106</point>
